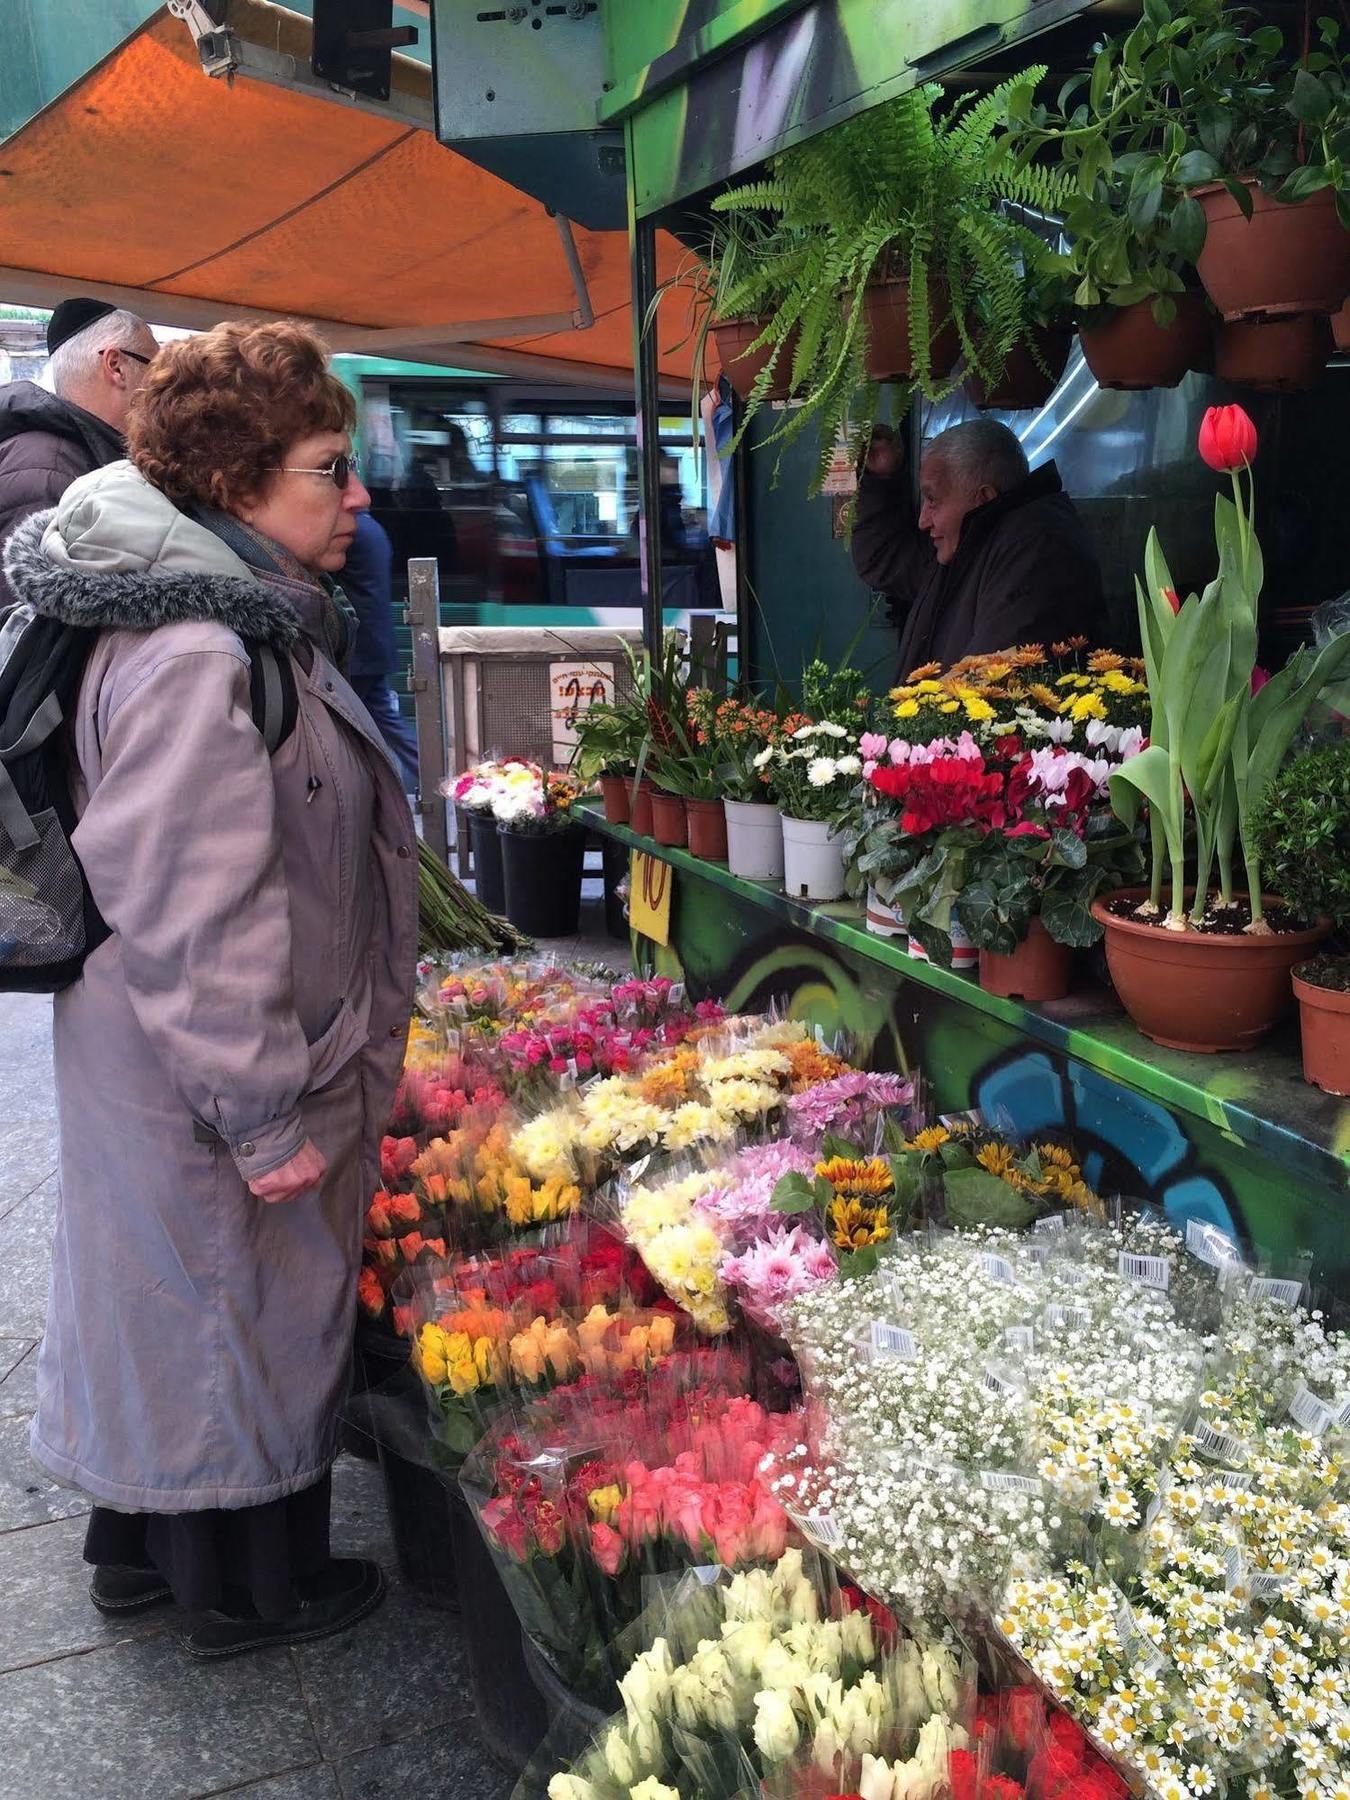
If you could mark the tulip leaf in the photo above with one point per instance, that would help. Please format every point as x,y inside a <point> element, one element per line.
<point>1147,776</point>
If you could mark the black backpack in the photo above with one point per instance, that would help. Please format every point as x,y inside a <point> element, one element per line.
<point>48,920</point>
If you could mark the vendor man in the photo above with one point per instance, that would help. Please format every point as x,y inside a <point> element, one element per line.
<point>997,555</point>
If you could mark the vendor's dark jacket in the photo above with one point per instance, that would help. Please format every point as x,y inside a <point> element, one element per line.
<point>1024,571</point>
<point>45,444</point>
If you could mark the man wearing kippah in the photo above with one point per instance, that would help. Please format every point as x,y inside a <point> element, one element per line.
<point>49,435</point>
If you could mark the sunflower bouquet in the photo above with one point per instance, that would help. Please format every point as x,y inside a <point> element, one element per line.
<point>988,1179</point>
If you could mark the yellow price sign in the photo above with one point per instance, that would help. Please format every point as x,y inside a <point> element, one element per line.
<point>650,884</point>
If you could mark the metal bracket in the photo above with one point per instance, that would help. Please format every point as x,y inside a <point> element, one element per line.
<point>218,47</point>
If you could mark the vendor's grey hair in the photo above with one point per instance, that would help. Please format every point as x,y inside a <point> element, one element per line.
<point>981,452</point>
<point>74,364</point>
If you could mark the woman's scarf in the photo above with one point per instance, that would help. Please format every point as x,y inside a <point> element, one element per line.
<point>325,614</point>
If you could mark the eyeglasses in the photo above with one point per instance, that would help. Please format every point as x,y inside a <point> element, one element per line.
<point>135,355</point>
<point>339,471</point>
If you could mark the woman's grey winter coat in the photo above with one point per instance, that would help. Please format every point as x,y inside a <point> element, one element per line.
<point>255,991</point>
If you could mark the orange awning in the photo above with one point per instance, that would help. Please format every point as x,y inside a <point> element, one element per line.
<point>147,177</point>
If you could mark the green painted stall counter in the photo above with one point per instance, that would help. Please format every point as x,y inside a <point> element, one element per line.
<point>1239,1140</point>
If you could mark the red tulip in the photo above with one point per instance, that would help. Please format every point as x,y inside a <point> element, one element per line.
<point>1227,439</point>
<point>1173,599</point>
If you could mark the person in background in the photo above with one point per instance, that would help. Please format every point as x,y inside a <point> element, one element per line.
<point>226,1060</point>
<point>98,357</point>
<point>367,584</point>
<point>996,556</point>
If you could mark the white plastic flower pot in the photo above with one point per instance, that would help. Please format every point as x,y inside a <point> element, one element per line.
<point>882,920</point>
<point>965,956</point>
<point>754,840</point>
<point>813,860</point>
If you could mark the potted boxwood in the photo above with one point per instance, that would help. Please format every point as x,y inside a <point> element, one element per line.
<point>543,853</point>
<point>1303,833</point>
<point>893,253</point>
<point>1199,965</point>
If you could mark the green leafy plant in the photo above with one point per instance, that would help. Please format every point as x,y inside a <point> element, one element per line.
<point>1013,880</point>
<point>1191,94</point>
<point>1213,743</point>
<point>1303,833</point>
<point>902,190</point>
<point>609,739</point>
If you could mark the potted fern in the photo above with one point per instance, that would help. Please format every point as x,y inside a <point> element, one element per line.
<point>894,250</point>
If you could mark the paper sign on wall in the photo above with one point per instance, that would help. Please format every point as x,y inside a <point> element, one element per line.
<point>650,882</point>
<point>574,687</point>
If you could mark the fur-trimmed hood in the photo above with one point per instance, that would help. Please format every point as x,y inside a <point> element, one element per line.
<point>118,555</point>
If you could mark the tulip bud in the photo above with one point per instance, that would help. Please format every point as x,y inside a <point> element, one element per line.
<point>1227,439</point>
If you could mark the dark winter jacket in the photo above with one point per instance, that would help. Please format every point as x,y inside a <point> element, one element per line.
<point>366,580</point>
<point>45,443</point>
<point>1024,571</point>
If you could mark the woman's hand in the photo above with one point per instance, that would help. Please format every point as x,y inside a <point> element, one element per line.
<point>304,1171</point>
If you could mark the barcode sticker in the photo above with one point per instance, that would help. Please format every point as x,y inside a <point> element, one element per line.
<point>1241,1481</point>
<point>1075,1274</point>
<point>1265,1587</point>
<point>1055,1223</point>
<point>1234,1570</point>
<point>1146,1271</point>
<point>1343,1413</point>
<point>997,1382</point>
<point>997,1268</point>
<point>1312,1414</point>
<point>998,1481</point>
<point>1209,1244</point>
<point>1041,1254</point>
<point>824,1528</point>
<point>1279,1293</point>
<point>1154,1507</point>
<point>1133,1641</point>
<point>893,1340</point>
<point>1217,1445</point>
<point>1019,1337</point>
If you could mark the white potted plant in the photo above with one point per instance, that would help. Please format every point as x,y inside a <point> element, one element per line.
<point>811,776</point>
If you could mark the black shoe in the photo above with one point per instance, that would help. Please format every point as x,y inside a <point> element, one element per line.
<point>117,1591</point>
<point>346,1592</point>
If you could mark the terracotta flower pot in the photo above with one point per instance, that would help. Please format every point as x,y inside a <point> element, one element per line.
<point>615,791</point>
<point>1195,992</point>
<point>707,830</point>
<point>1284,259</point>
<point>1276,356</point>
<point>1023,383</point>
<point>670,824</point>
<point>1324,1014</point>
<point>1127,348</point>
<point>1038,969</point>
<point>889,356</point>
<point>640,808</point>
<point>742,366</point>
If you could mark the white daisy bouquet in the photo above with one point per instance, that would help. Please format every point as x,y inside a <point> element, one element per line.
<point>812,773</point>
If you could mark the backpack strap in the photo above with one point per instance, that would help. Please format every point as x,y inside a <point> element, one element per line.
<point>272,691</point>
<point>23,834</point>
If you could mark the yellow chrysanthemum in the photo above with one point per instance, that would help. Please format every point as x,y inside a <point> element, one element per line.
<point>1044,696</point>
<point>950,706</point>
<point>1088,706</point>
<point>907,709</point>
<point>977,711</point>
<point>929,686</point>
<point>998,1159</point>
<point>931,1138</point>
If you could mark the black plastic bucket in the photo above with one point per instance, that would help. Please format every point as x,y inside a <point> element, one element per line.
<point>487,861</point>
<point>512,1718</point>
<point>542,873</point>
<point>417,1497</point>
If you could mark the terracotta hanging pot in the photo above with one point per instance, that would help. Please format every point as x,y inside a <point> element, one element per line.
<point>1284,259</point>
<point>640,805</point>
<point>888,355</point>
<point>670,824</point>
<point>742,366</point>
<point>1192,991</point>
<point>614,790</point>
<point>707,830</point>
<point>1125,347</point>
<point>1324,1014</point>
<point>1276,356</point>
<point>1038,969</point>
<point>1023,383</point>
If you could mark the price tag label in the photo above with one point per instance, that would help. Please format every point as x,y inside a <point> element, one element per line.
<point>893,1340</point>
<point>1019,1337</point>
<point>1145,1271</point>
<point>1075,1275</point>
<point>1217,1446</point>
<point>1279,1293</point>
<point>650,886</point>
<point>997,1268</point>
<point>1208,1244</point>
<point>1312,1414</point>
<point>1051,1227</point>
<point>998,1481</point>
<point>997,1382</point>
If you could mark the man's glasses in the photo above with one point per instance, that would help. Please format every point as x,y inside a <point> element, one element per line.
<point>135,355</point>
<point>339,471</point>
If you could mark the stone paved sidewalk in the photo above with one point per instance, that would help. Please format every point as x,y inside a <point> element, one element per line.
<point>90,1710</point>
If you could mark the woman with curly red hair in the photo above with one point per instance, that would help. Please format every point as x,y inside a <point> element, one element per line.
<point>225,1062</point>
